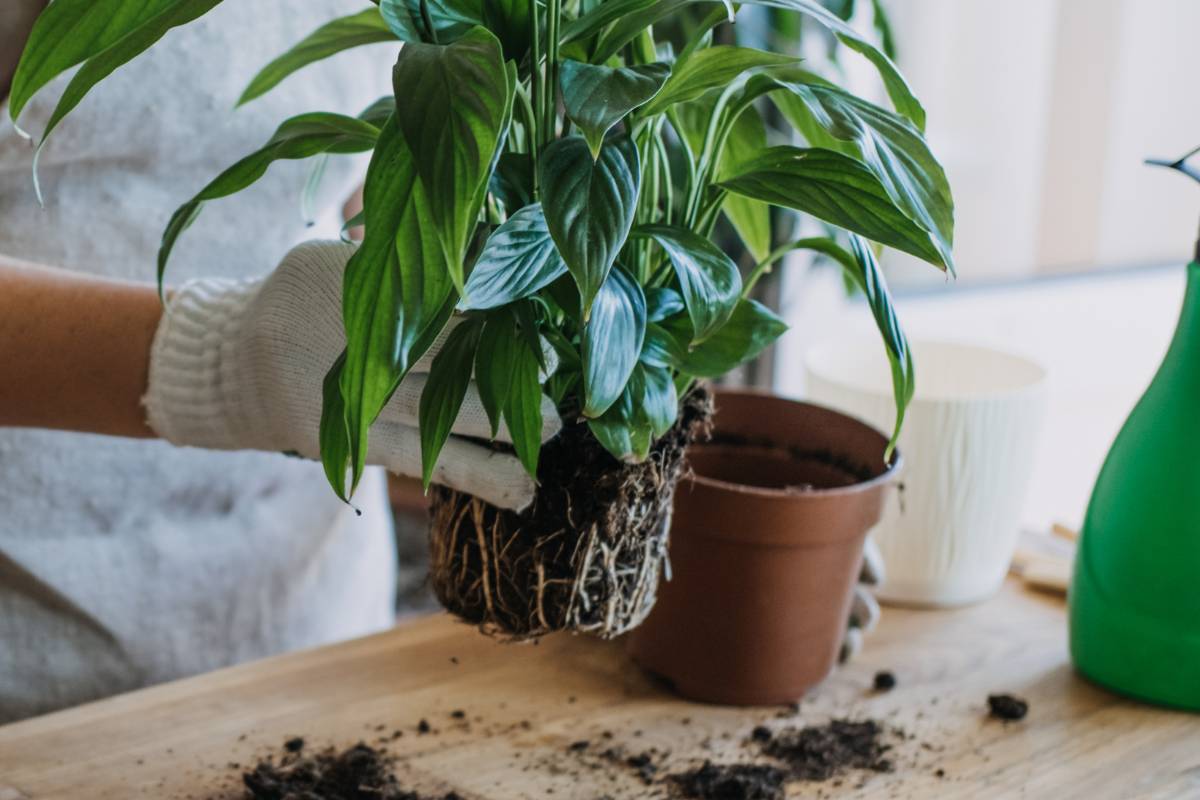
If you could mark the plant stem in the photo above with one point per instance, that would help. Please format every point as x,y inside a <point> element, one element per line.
<point>553,22</point>
<point>536,81</point>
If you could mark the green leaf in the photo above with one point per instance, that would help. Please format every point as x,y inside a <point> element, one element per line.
<point>510,21</point>
<point>710,280</point>
<point>750,218</point>
<point>512,180</point>
<point>750,329</point>
<point>435,21</point>
<point>457,109</point>
<point>621,21</point>
<point>612,341</point>
<point>365,27</point>
<point>299,137</point>
<point>140,32</point>
<point>711,68</point>
<point>598,97</point>
<point>518,259</point>
<point>403,20</point>
<point>523,412</point>
<point>495,362</point>
<point>897,88</point>
<point>69,32</point>
<point>397,292</point>
<point>445,390</point>
<point>589,206</point>
<point>662,349</point>
<point>887,143</point>
<point>837,189</point>
<point>660,403</point>
<point>862,268</point>
<point>333,437</point>
<point>662,302</point>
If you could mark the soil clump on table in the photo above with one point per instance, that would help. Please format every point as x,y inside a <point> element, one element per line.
<point>360,772</point>
<point>1007,707</point>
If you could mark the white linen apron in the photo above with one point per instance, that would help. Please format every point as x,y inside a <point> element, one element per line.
<point>125,563</point>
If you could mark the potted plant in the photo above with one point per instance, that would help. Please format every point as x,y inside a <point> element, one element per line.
<point>552,173</point>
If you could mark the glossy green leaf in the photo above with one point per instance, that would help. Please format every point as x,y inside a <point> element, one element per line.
<point>660,403</point>
<point>837,189</point>
<point>140,33</point>
<point>862,268</point>
<point>711,68</point>
<point>589,206</point>
<point>510,21</point>
<point>662,302</point>
<point>333,436</point>
<point>457,108</point>
<point>523,411</point>
<point>512,181</point>
<point>710,281</point>
<point>598,97</point>
<point>750,329</point>
<point>897,88</point>
<point>495,362</point>
<point>612,341</point>
<point>444,392</point>
<point>299,137</point>
<point>365,27</point>
<point>404,19</point>
<point>620,21</point>
<point>887,143</point>
<point>661,347</point>
<point>69,32</point>
<point>432,21</point>
<point>518,259</point>
<point>397,293</point>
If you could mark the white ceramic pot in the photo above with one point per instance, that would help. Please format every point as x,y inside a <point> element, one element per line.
<point>968,444</point>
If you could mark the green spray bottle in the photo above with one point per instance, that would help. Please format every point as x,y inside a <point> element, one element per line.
<point>1135,597</point>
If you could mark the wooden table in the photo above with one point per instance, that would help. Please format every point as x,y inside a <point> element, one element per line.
<point>526,704</point>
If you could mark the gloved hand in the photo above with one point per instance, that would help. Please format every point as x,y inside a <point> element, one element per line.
<point>864,608</point>
<point>239,365</point>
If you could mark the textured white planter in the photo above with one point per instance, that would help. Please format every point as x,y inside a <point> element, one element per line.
<point>968,444</point>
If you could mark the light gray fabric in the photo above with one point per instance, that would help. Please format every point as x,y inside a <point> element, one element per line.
<point>124,563</point>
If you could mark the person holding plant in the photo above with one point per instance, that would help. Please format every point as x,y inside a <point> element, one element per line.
<point>125,561</point>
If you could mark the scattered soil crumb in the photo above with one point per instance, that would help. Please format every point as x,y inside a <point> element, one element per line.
<point>820,752</point>
<point>1007,707</point>
<point>423,726</point>
<point>761,734</point>
<point>732,782</point>
<point>458,713</point>
<point>357,773</point>
<point>885,681</point>
<point>294,745</point>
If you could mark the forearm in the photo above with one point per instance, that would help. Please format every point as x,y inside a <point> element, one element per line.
<point>74,350</point>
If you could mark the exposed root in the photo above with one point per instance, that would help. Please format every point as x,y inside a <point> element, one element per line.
<point>586,556</point>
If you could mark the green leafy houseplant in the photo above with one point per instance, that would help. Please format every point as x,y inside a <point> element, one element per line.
<point>553,172</point>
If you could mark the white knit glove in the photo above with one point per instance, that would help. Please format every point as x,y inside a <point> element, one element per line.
<point>864,609</point>
<point>239,365</point>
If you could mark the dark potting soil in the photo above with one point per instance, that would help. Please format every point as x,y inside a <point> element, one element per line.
<point>521,575</point>
<point>1007,707</point>
<point>357,773</point>
<point>820,752</point>
<point>732,782</point>
<point>851,471</point>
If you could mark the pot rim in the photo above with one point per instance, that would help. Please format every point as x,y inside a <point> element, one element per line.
<point>889,475</point>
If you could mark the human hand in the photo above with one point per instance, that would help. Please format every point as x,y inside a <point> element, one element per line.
<point>239,364</point>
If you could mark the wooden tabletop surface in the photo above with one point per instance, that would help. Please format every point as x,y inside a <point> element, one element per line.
<point>525,705</point>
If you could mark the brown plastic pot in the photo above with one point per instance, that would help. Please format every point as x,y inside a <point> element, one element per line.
<point>766,545</point>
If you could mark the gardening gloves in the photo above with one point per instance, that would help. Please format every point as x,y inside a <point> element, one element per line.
<point>239,364</point>
<point>864,608</point>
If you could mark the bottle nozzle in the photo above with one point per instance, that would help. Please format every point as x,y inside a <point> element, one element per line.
<point>1180,165</point>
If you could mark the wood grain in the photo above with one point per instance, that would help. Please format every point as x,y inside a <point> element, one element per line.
<point>525,704</point>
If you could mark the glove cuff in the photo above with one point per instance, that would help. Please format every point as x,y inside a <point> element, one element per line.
<point>191,394</point>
